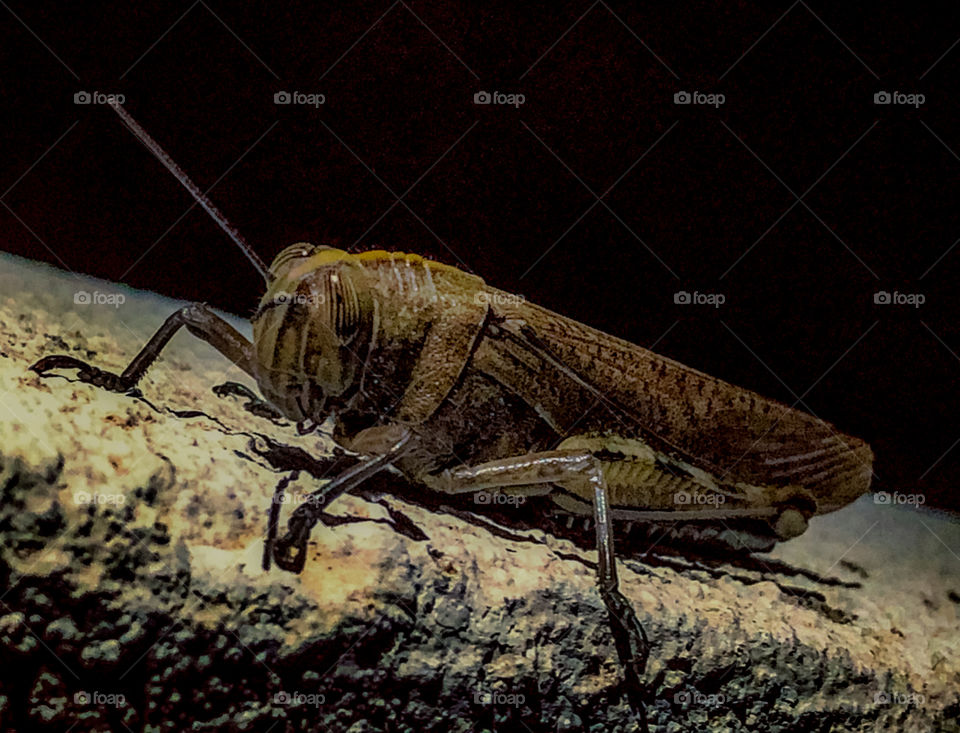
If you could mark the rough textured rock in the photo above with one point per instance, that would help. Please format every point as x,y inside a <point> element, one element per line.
<point>133,597</point>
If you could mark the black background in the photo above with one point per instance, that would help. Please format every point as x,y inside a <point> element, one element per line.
<point>599,80</point>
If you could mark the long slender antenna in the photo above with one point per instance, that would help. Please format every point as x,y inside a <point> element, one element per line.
<point>160,154</point>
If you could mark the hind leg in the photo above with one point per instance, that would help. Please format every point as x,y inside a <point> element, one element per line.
<point>572,467</point>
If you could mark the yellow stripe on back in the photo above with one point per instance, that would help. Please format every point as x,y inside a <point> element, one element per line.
<point>331,256</point>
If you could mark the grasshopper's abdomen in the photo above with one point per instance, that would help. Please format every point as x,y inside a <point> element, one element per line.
<point>734,435</point>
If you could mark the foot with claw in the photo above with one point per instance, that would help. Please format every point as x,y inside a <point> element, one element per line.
<point>85,373</point>
<point>290,551</point>
<point>254,404</point>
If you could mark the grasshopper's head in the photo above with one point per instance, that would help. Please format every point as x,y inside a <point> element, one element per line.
<point>293,256</point>
<point>312,331</point>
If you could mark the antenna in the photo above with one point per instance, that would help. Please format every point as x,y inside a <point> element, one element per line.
<point>160,154</point>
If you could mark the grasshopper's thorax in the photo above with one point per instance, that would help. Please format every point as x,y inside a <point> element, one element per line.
<point>337,331</point>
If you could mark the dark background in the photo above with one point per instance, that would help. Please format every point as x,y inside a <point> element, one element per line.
<point>599,80</point>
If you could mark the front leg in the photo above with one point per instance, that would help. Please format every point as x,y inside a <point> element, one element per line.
<point>198,319</point>
<point>290,551</point>
<point>571,468</point>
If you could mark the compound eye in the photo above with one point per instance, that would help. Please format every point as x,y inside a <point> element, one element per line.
<point>296,251</point>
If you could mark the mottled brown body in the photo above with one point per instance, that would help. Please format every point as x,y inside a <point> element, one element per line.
<point>479,374</point>
<point>466,388</point>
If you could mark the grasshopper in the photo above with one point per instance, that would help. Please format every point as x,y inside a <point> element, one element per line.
<point>464,388</point>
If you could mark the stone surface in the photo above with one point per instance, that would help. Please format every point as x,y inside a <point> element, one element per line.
<point>133,596</point>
